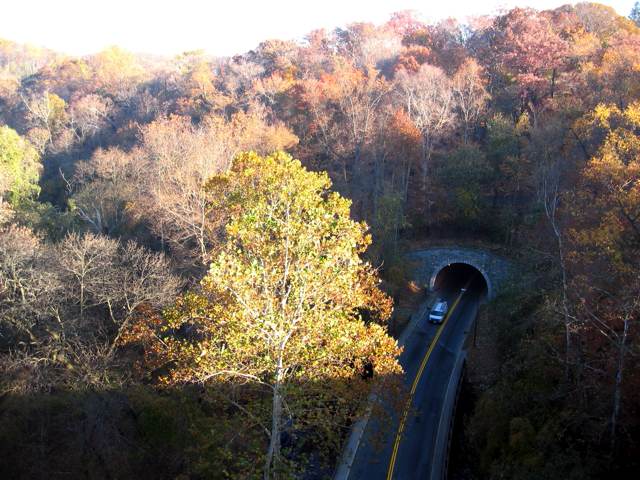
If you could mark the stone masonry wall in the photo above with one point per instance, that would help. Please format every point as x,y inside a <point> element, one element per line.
<point>429,262</point>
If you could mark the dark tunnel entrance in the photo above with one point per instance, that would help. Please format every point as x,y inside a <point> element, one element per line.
<point>455,276</point>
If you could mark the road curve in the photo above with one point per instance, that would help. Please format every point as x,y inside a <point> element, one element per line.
<point>411,450</point>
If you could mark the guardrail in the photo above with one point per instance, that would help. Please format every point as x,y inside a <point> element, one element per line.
<point>440,458</point>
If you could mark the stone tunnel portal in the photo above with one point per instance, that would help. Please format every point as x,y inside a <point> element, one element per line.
<point>454,276</point>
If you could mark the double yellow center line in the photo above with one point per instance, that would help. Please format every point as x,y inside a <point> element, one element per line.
<point>414,386</point>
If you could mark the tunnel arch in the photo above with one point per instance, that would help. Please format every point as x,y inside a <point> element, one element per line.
<point>496,270</point>
<point>443,266</point>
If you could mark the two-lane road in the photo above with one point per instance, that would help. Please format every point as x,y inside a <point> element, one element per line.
<point>430,353</point>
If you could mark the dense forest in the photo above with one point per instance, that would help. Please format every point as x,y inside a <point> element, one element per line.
<point>179,298</point>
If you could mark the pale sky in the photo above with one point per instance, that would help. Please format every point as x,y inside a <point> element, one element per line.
<point>224,27</point>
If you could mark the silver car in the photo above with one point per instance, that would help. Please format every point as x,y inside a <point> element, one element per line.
<point>438,312</point>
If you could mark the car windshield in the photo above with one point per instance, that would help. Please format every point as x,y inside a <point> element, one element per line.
<point>440,307</point>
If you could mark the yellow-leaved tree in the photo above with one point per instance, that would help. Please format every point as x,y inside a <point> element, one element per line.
<point>288,307</point>
<point>606,247</point>
<point>610,186</point>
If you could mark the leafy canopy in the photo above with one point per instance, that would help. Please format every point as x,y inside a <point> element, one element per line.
<point>19,168</point>
<point>288,304</point>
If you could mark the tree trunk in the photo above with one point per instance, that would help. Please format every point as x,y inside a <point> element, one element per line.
<point>201,233</point>
<point>82,298</point>
<point>465,131</point>
<point>344,171</point>
<point>551,204</point>
<point>121,330</point>
<point>426,160</point>
<point>273,453</point>
<point>426,157</point>
<point>405,186</point>
<point>565,302</point>
<point>615,413</point>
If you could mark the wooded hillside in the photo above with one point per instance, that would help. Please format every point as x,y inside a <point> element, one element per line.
<point>138,243</point>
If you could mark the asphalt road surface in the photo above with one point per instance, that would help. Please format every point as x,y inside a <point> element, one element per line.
<point>408,451</point>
